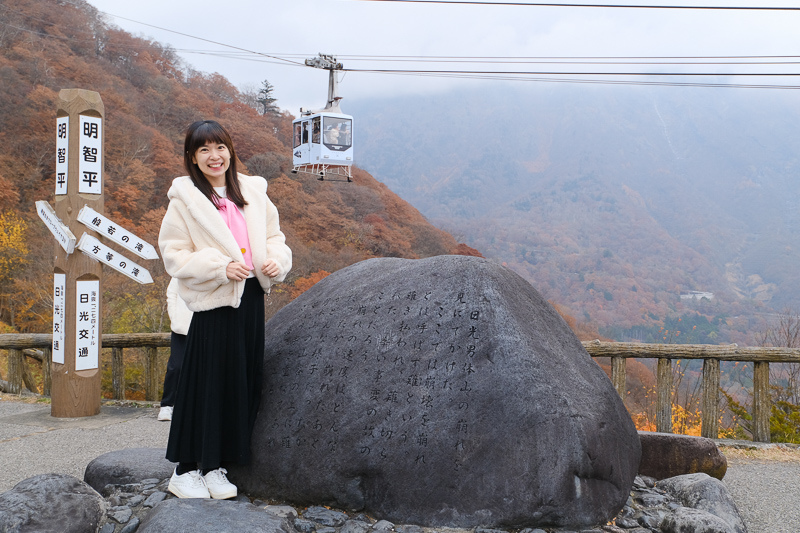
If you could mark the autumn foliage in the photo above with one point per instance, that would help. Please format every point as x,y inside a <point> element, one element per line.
<point>150,97</point>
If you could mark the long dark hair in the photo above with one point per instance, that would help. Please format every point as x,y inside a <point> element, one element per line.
<point>209,131</point>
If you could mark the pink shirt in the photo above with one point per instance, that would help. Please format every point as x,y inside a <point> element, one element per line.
<point>234,219</point>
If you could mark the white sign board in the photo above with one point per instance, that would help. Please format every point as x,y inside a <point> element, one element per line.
<point>59,316</point>
<point>90,167</point>
<point>87,325</point>
<point>100,252</point>
<point>102,225</point>
<point>62,154</point>
<point>60,231</point>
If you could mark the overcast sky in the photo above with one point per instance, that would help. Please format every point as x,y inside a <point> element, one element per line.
<point>296,29</point>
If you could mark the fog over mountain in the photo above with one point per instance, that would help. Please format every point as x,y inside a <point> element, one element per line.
<point>611,200</point>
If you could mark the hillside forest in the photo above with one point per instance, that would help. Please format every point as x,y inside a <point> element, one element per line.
<point>150,97</point>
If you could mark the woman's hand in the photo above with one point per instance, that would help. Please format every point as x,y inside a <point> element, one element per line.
<point>237,271</point>
<point>270,268</point>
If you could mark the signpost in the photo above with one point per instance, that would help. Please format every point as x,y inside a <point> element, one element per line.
<point>77,278</point>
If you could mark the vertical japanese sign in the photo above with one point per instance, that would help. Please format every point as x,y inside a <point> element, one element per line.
<point>59,316</point>
<point>62,154</point>
<point>87,325</point>
<point>90,168</point>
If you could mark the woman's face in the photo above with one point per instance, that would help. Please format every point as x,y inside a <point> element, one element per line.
<point>213,159</point>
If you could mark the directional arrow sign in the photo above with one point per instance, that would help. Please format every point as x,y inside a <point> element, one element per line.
<point>100,252</point>
<point>59,230</point>
<point>102,225</point>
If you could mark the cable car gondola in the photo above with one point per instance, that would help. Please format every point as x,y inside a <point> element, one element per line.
<point>323,139</point>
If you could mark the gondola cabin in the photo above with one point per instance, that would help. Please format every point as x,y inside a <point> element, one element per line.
<point>323,144</point>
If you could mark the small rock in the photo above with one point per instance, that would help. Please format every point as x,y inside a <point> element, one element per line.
<point>133,501</point>
<point>154,499</point>
<point>120,514</point>
<point>108,528</point>
<point>324,516</point>
<point>304,526</point>
<point>383,525</point>
<point>284,511</point>
<point>355,526</point>
<point>132,526</point>
<point>627,523</point>
<point>410,529</point>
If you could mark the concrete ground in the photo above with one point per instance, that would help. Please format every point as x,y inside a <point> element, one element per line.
<point>32,442</point>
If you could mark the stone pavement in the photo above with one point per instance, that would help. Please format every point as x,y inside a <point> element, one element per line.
<point>32,442</point>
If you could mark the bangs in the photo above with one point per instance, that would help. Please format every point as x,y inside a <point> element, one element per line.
<point>208,132</point>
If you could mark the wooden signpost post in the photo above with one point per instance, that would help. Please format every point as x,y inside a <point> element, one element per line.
<point>77,277</point>
<point>78,280</point>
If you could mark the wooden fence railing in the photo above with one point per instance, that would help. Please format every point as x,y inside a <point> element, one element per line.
<point>711,356</point>
<point>24,345</point>
<point>21,345</point>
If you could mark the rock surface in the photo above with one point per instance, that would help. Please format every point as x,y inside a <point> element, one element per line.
<point>130,465</point>
<point>667,455</point>
<point>705,493</point>
<point>51,503</point>
<point>440,391</point>
<point>211,516</point>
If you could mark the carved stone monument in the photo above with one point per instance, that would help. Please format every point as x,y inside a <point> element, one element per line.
<point>441,392</point>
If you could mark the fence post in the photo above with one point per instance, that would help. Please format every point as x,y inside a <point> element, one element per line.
<point>762,404</point>
<point>710,425</point>
<point>27,378</point>
<point>664,396</point>
<point>151,373</point>
<point>15,370</point>
<point>47,360</point>
<point>618,375</point>
<point>117,373</point>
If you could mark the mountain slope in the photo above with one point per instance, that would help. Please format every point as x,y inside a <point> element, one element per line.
<point>611,200</point>
<point>150,97</point>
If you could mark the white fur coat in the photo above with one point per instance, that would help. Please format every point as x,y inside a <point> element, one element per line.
<point>196,244</point>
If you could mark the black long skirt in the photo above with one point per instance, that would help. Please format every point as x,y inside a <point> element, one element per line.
<point>219,388</point>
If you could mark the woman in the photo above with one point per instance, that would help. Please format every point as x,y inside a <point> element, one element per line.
<point>221,240</point>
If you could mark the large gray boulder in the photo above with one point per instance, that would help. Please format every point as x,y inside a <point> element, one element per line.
<point>441,392</point>
<point>51,503</point>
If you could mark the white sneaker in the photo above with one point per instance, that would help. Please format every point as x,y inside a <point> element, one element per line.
<point>165,413</point>
<point>219,486</point>
<point>188,485</point>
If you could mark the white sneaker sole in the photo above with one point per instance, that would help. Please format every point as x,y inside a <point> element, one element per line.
<point>177,492</point>
<point>224,495</point>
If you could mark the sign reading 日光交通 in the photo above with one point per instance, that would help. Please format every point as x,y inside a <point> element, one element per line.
<point>87,321</point>
<point>59,316</point>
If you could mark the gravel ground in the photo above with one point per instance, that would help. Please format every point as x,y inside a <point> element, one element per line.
<point>32,442</point>
<point>767,494</point>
